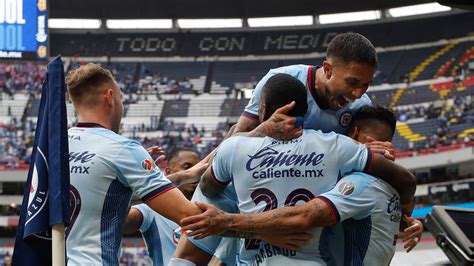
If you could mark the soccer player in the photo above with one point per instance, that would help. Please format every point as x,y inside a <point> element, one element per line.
<point>366,208</point>
<point>334,92</point>
<point>160,234</point>
<point>269,174</point>
<point>106,168</point>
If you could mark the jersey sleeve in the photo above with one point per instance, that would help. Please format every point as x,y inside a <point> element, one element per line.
<point>251,110</point>
<point>353,196</point>
<point>353,156</point>
<point>138,171</point>
<point>221,168</point>
<point>147,214</point>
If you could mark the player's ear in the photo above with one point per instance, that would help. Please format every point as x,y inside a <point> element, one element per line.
<point>167,170</point>
<point>327,67</point>
<point>109,97</point>
<point>354,133</point>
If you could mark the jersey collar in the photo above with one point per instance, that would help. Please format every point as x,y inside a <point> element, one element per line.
<point>312,86</point>
<point>88,124</point>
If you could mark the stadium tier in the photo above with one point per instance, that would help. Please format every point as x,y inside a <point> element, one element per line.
<point>157,94</point>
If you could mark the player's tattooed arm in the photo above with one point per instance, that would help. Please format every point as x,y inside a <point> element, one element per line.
<point>244,125</point>
<point>283,220</point>
<point>397,176</point>
<point>133,221</point>
<point>279,126</point>
<point>290,241</point>
<point>314,213</point>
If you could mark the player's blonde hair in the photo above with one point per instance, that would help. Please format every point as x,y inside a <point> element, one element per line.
<point>86,82</point>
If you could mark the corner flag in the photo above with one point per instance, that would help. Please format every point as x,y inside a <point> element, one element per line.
<point>46,194</point>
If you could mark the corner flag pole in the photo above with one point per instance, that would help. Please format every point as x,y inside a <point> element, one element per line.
<point>58,245</point>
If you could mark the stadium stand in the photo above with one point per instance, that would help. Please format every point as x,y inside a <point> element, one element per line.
<point>422,106</point>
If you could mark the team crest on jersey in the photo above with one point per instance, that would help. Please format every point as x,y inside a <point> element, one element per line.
<point>345,119</point>
<point>346,188</point>
<point>147,165</point>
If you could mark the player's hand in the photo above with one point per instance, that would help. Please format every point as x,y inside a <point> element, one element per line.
<point>194,173</point>
<point>291,241</point>
<point>210,222</point>
<point>412,234</point>
<point>156,150</point>
<point>383,147</point>
<point>282,127</point>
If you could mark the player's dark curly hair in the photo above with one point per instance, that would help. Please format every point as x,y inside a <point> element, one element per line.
<point>378,113</point>
<point>352,47</point>
<point>282,89</point>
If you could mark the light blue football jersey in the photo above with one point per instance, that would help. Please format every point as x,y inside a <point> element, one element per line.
<point>268,174</point>
<point>161,235</point>
<point>316,118</point>
<point>106,169</point>
<point>368,210</point>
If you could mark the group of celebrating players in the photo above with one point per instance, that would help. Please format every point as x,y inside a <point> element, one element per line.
<point>306,176</point>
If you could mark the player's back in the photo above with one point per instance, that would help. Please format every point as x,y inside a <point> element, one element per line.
<point>385,221</point>
<point>104,168</point>
<point>371,216</point>
<point>269,174</point>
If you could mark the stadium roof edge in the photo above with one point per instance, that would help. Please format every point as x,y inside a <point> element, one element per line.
<point>129,9</point>
<point>316,26</point>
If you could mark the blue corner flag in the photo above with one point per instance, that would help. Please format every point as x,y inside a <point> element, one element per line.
<point>46,194</point>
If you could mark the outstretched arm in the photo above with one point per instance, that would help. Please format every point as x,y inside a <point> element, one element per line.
<point>173,205</point>
<point>280,221</point>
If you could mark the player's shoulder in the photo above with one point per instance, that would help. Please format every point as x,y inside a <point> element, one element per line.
<point>121,139</point>
<point>356,181</point>
<point>312,134</point>
<point>106,135</point>
<point>230,143</point>
<point>234,141</point>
